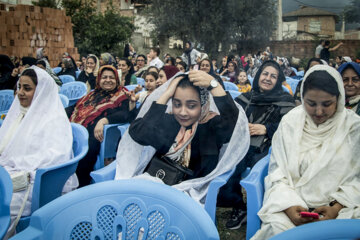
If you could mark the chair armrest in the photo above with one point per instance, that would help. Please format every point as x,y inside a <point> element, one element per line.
<point>104,174</point>
<point>254,186</point>
<point>213,190</point>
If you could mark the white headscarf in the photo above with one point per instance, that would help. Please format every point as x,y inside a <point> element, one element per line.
<point>44,136</point>
<point>132,158</point>
<point>310,165</point>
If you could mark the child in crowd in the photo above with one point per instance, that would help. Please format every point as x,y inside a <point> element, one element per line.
<point>243,83</point>
<point>150,85</point>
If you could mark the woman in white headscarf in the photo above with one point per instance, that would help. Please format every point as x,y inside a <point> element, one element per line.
<point>40,55</point>
<point>36,132</point>
<point>314,165</point>
<point>204,133</point>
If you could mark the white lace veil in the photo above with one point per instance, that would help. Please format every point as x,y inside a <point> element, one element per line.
<point>132,158</point>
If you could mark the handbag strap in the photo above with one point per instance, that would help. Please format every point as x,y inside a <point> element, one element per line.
<point>12,230</point>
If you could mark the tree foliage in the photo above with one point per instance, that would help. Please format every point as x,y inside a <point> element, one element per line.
<point>247,24</point>
<point>97,32</point>
<point>352,12</point>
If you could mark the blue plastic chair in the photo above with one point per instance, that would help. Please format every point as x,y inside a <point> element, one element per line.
<point>134,209</point>
<point>230,86</point>
<point>140,81</point>
<point>323,230</point>
<point>251,80</point>
<point>109,145</point>
<point>77,74</point>
<point>50,181</point>
<point>57,70</point>
<point>293,83</point>
<point>285,89</point>
<point>108,174</point>
<point>64,100</point>
<point>6,99</point>
<point>300,73</point>
<point>66,78</point>
<point>74,91</point>
<point>6,190</point>
<point>295,70</point>
<point>234,94</point>
<point>254,186</point>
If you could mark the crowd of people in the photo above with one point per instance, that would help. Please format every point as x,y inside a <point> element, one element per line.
<point>187,123</point>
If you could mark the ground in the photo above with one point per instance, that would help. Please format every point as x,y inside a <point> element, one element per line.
<point>222,215</point>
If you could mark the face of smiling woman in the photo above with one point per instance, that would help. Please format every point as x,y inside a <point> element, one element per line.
<point>108,80</point>
<point>268,78</point>
<point>186,106</point>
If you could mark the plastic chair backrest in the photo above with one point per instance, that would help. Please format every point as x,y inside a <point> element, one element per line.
<point>134,209</point>
<point>293,83</point>
<point>77,74</point>
<point>300,73</point>
<point>230,86</point>
<point>323,230</point>
<point>254,186</point>
<point>234,94</point>
<point>66,78</point>
<point>285,89</point>
<point>6,99</point>
<point>131,87</point>
<point>49,182</point>
<point>64,100</point>
<point>74,91</point>
<point>56,70</point>
<point>109,145</point>
<point>6,190</point>
<point>140,81</point>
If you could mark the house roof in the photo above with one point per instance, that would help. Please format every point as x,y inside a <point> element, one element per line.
<point>309,11</point>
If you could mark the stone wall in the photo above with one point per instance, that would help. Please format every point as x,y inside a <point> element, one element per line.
<point>25,28</point>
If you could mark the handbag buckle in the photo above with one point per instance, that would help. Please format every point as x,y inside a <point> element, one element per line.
<point>160,174</point>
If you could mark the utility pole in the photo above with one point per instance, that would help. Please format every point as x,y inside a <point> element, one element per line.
<point>280,22</point>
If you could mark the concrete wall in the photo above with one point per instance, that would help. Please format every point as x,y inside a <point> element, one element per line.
<point>306,49</point>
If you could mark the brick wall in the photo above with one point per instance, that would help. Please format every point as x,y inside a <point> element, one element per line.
<point>26,28</point>
<point>306,49</point>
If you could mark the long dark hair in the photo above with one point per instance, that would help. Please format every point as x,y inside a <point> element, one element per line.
<point>31,74</point>
<point>130,72</point>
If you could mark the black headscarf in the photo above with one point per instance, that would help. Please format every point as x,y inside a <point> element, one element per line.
<point>28,61</point>
<point>277,94</point>
<point>6,68</point>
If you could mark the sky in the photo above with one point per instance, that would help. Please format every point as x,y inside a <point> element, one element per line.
<point>328,5</point>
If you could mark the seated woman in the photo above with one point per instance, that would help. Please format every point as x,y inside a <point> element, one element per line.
<point>88,75</point>
<point>67,67</point>
<point>127,72</point>
<point>107,104</point>
<point>40,55</point>
<point>264,106</point>
<point>194,138</point>
<point>165,73</point>
<point>314,163</point>
<point>231,71</point>
<point>107,59</point>
<point>35,133</point>
<point>350,73</point>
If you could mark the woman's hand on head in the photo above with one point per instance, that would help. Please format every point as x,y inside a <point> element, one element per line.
<point>257,129</point>
<point>200,78</point>
<point>170,91</point>
<point>293,214</point>
<point>99,129</point>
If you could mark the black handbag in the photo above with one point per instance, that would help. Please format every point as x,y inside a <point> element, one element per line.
<point>168,171</point>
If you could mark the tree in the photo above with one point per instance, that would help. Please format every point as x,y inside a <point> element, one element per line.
<point>247,24</point>
<point>352,12</point>
<point>97,32</point>
<point>47,3</point>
